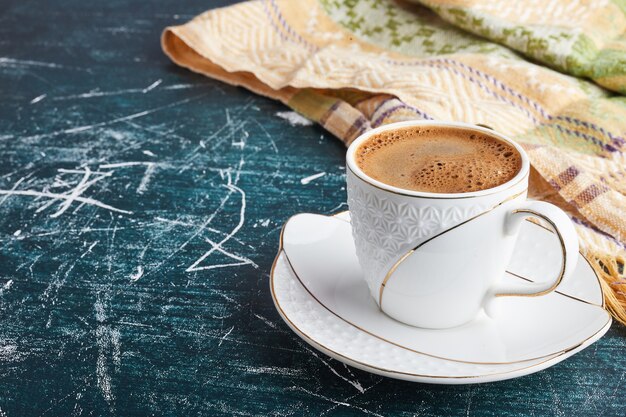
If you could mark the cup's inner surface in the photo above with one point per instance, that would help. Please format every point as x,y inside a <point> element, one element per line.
<point>438,159</point>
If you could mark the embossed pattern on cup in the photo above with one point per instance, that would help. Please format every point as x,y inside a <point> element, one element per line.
<point>385,226</point>
<point>434,260</point>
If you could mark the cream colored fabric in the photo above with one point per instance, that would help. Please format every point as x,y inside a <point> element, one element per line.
<point>351,66</point>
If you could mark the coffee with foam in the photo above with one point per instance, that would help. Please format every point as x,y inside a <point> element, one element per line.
<point>438,159</point>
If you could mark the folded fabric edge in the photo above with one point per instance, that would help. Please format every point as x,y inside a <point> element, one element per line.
<point>345,122</point>
<point>181,52</point>
<point>332,113</point>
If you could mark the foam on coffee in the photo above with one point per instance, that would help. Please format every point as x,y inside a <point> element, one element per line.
<point>438,159</point>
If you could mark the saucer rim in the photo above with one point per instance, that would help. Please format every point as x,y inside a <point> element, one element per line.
<point>291,266</point>
<point>571,350</point>
<point>548,361</point>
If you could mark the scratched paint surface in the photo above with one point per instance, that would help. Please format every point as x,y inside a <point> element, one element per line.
<point>139,217</point>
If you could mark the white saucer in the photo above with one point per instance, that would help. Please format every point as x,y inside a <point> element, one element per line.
<point>318,291</point>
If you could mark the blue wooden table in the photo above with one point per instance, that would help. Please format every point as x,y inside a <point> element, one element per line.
<point>139,216</point>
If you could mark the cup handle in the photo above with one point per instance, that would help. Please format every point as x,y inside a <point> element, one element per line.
<point>564,229</point>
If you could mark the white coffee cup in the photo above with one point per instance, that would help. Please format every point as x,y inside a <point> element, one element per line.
<point>435,260</point>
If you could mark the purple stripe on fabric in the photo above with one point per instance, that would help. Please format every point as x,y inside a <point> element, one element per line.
<point>595,229</point>
<point>591,193</point>
<point>385,101</point>
<point>283,22</point>
<point>585,136</point>
<point>568,175</point>
<point>271,20</point>
<point>440,63</point>
<point>499,84</point>
<point>541,110</point>
<point>617,140</point>
<point>328,112</point>
<point>390,111</point>
<point>437,63</point>
<point>358,127</point>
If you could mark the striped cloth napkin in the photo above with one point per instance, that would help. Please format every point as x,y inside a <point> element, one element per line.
<point>351,66</point>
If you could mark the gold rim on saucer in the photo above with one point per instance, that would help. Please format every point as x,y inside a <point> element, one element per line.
<point>547,357</point>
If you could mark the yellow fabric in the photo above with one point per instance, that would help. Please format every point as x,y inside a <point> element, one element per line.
<point>352,80</point>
